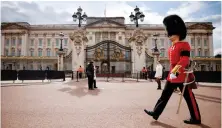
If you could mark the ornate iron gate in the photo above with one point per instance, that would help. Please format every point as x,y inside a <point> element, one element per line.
<point>109,57</point>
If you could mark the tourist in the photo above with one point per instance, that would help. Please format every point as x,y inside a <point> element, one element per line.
<point>80,71</point>
<point>158,74</point>
<point>94,80</point>
<point>90,75</point>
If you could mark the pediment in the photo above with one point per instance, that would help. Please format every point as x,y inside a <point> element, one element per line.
<point>201,26</point>
<point>105,23</point>
<point>11,26</point>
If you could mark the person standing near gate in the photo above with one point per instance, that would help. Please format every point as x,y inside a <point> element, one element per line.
<point>94,79</point>
<point>179,56</point>
<point>80,71</point>
<point>90,75</point>
<point>158,74</point>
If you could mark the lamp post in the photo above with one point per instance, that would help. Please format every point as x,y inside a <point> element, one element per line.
<point>61,35</point>
<point>155,38</point>
<point>78,15</point>
<point>138,15</point>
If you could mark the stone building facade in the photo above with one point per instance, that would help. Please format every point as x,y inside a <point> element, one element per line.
<point>112,44</point>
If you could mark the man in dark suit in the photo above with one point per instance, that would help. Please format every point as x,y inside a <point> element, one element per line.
<point>90,75</point>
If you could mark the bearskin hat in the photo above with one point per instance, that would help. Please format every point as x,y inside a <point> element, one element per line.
<point>175,26</point>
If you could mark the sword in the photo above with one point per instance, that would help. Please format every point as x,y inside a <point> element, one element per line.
<point>190,70</point>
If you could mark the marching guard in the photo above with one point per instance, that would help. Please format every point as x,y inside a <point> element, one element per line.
<point>179,54</point>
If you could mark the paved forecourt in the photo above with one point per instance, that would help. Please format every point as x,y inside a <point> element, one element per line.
<point>114,104</point>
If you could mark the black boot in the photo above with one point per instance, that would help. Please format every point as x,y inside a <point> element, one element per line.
<point>192,121</point>
<point>151,113</point>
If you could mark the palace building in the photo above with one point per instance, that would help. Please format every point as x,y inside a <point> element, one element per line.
<point>113,45</point>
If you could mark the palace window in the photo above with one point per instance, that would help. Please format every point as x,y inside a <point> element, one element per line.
<point>40,42</point>
<point>192,53</point>
<point>97,37</point>
<point>57,42</point>
<point>19,52</point>
<point>205,42</point>
<point>66,42</point>
<point>48,52</point>
<point>13,42</point>
<point>206,53</point>
<point>40,52</point>
<point>48,42</point>
<point>198,41</point>
<point>6,52</point>
<point>162,42</point>
<point>32,42</point>
<point>105,35</point>
<point>31,53</point>
<point>199,52</point>
<point>7,42</point>
<point>192,42</point>
<point>113,36</point>
<point>162,53</point>
<point>20,41</point>
<point>13,52</point>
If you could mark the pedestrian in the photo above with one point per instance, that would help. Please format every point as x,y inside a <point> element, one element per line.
<point>80,71</point>
<point>94,80</point>
<point>158,74</point>
<point>144,73</point>
<point>179,55</point>
<point>90,75</point>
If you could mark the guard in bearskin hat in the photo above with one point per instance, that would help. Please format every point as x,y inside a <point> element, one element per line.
<point>179,54</point>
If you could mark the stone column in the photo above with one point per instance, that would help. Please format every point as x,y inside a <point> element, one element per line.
<point>60,60</point>
<point>211,47</point>
<point>137,42</point>
<point>79,40</point>
<point>24,45</point>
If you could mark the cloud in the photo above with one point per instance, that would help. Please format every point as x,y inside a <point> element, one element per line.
<point>187,8</point>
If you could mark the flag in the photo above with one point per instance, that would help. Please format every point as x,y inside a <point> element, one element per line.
<point>105,11</point>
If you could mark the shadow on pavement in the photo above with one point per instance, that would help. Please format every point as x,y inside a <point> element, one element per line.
<point>203,126</point>
<point>208,98</point>
<point>80,89</point>
<point>162,124</point>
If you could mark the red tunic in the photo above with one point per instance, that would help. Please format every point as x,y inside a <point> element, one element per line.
<point>178,62</point>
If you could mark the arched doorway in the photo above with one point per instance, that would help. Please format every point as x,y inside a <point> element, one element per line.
<point>109,56</point>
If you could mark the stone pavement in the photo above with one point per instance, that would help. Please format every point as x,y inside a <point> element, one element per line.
<point>114,104</point>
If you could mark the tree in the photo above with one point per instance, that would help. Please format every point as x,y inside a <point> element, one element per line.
<point>218,56</point>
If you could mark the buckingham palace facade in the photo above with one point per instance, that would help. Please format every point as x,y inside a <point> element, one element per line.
<point>108,41</point>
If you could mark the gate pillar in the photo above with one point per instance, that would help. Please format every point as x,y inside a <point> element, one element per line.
<point>137,42</point>
<point>79,40</point>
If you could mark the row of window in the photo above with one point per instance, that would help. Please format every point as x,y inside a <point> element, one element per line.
<point>48,52</point>
<point>58,41</point>
<point>206,53</point>
<point>13,42</point>
<point>198,42</point>
<point>12,52</point>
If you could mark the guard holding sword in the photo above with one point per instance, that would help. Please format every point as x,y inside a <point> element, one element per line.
<point>179,56</point>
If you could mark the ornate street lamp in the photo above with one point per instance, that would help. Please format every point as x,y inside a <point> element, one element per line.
<point>78,16</point>
<point>61,35</point>
<point>155,38</point>
<point>138,15</point>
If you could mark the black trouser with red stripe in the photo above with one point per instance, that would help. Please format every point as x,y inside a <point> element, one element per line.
<point>188,96</point>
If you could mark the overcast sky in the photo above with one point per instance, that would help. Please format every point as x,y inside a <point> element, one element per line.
<point>43,12</point>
